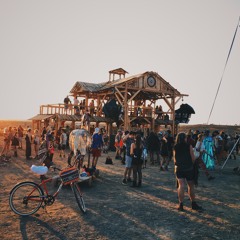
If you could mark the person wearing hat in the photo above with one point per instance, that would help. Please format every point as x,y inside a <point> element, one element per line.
<point>97,144</point>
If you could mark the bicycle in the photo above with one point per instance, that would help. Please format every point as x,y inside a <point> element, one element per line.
<point>26,198</point>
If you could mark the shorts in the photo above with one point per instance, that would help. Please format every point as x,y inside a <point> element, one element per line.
<point>63,146</point>
<point>96,152</point>
<point>128,161</point>
<point>188,175</point>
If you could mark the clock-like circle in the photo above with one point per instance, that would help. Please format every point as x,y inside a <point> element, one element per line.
<point>151,81</point>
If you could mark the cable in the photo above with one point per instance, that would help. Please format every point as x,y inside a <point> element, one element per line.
<point>223,71</point>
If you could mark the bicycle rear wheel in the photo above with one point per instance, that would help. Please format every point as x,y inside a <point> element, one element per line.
<point>26,198</point>
<point>79,197</point>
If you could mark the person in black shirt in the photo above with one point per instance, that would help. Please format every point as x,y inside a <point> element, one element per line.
<point>183,160</point>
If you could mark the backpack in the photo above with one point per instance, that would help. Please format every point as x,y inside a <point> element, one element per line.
<point>108,160</point>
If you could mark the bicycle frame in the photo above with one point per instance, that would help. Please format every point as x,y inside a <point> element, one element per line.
<point>44,185</point>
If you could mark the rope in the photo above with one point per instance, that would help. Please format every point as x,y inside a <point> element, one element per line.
<point>223,71</point>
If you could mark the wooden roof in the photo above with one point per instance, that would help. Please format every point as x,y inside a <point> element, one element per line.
<point>163,87</point>
<point>118,71</point>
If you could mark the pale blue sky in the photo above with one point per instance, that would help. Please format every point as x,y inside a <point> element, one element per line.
<point>46,46</point>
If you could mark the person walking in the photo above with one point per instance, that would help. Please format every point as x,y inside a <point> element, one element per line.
<point>136,153</point>
<point>183,160</point>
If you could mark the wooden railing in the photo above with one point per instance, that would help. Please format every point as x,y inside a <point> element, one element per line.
<point>57,108</point>
<point>133,111</point>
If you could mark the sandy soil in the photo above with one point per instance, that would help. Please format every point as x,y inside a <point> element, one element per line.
<point>120,212</point>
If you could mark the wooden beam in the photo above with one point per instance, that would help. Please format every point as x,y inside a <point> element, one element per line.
<point>118,98</point>
<point>134,95</point>
<point>119,93</point>
<point>167,102</point>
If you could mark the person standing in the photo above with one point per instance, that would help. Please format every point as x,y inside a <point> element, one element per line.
<point>15,141</point>
<point>164,153</point>
<point>208,155</point>
<point>97,144</point>
<point>28,139</point>
<point>118,145</point>
<point>136,153</point>
<point>198,152</point>
<point>7,140</point>
<point>66,101</point>
<point>20,136</point>
<point>183,160</point>
<point>153,146</point>
<point>128,139</point>
<point>63,143</point>
<point>36,142</point>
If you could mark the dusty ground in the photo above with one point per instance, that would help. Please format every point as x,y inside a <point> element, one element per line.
<point>120,212</point>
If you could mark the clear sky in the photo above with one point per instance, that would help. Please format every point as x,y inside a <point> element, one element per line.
<point>47,46</point>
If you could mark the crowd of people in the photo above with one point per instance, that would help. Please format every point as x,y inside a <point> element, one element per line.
<point>188,152</point>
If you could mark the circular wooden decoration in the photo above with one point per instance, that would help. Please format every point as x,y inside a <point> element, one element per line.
<point>151,81</point>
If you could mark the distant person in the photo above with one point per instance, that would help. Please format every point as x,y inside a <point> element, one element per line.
<point>97,144</point>
<point>63,143</point>
<point>208,155</point>
<point>136,153</point>
<point>153,147</point>
<point>183,160</point>
<point>66,101</point>
<point>118,144</point>
<point>128,139</point>
<point>15,142</point>
<point>198,152</point>
<point>43,134</point>
<point>76,105</point>
<point>28,139</point>
<point>36,142</point>
<point>20,136</point>
<point>7,140</point>
<point>91,108</point>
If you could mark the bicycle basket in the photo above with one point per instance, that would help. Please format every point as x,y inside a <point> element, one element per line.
<point>69,175</point>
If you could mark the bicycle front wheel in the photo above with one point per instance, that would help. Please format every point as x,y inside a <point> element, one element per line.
<point>26,198</point>
<point>79,197</point>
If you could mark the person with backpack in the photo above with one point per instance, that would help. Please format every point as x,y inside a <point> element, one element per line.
<point>137,161</point>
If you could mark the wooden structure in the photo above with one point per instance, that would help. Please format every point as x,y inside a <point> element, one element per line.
<point>136,95</point>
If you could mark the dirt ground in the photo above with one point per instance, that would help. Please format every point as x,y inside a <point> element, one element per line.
<point>120,212</point>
